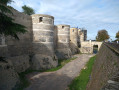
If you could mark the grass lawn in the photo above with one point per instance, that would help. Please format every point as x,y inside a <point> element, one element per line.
<point>25,83</point>
<point>80,82</point>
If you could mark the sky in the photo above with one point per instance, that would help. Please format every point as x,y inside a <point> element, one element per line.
<point>92,15</point>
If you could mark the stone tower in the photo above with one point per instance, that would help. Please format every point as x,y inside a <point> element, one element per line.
<point>74,40</point>
<point>63,41</point>
<point>74,36</point>
<point>43,41</point>
<point>55,37</point>
<point>82,33</point>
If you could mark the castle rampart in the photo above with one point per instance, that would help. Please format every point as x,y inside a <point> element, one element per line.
<point>16,53</point>
<point>63,41</point>
<point>36,49</point>
<point>43,42</point>
<point>43,34</point>
<point>74,40</point>
<point>74,36</point>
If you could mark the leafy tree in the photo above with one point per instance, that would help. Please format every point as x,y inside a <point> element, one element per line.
<point>28,10</point>
<point>7,25</point>
<point>102,35</point>
<point>117,35</point>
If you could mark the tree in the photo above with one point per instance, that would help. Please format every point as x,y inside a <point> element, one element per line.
<point>102,35</point>
<point>28,10</point>
<point>7,25</point>
<point>117,36</point>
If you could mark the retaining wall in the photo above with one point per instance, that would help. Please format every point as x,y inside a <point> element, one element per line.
<point>106,68</point>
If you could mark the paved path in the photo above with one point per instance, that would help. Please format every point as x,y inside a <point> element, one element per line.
<point>58,80</point>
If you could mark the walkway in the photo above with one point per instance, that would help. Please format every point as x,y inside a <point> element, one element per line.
<point>58,80</point>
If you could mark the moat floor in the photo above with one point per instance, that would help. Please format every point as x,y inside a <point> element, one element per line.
<point>58,80</point>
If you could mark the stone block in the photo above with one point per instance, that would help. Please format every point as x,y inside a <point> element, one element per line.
<point>3,51</point>
<point>43,62</point>
<point>8,77</point>
<point>20,63</point>
<point>63,53</point>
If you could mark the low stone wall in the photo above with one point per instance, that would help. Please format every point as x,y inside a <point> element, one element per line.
<point>105,70</point>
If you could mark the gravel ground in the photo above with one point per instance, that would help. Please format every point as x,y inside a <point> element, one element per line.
<point>60,79</point>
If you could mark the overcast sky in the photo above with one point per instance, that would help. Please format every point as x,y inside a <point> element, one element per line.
<point>93,15</point>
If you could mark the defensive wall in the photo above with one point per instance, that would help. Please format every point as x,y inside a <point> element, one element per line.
<point>63,42</point>
<point>88,46</point>
<point>43,42</point>
<point>38,49</point>
<point>105,73</point>
<point>16,53</point>
<point>74,40</point>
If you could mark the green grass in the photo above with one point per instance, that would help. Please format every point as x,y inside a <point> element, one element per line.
<point>61,63</point>
<point>25,83</point>
<point>80,82</point>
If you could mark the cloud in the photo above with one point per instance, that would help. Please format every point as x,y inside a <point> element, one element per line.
<point>94,15</point>
<point>17,4</point>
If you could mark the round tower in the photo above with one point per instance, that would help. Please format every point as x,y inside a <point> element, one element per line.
<point>63,40</point>
<point>43,40</point>
<point>74,40</point>
<point>74,36</point>
<point>55,37</point>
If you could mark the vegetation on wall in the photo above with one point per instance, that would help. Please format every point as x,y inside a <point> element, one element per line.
<point>7,25</point>
<point>80,82</point>
<point>102,35</point>
<point>28,10</point>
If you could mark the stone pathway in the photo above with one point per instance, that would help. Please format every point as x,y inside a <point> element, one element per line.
<point>58,80</point>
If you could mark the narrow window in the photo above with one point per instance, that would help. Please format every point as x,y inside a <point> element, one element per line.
<point>62,27</point>
<point>40,19</point>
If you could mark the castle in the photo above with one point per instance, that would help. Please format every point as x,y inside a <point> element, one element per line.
<point>41,47</point>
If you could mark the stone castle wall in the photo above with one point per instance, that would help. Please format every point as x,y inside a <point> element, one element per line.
<point>105,72</point>
<point>87,46</point>
<point>74,35</point>
<point>43,34</point>
<point>43,42</point>
<point>16,52</point>
<point>19,50</point>
<point>38,49</point>
<point>74,40</point>
<point>63,42</point>
<point>55,37</point>
<point>8,77</point>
